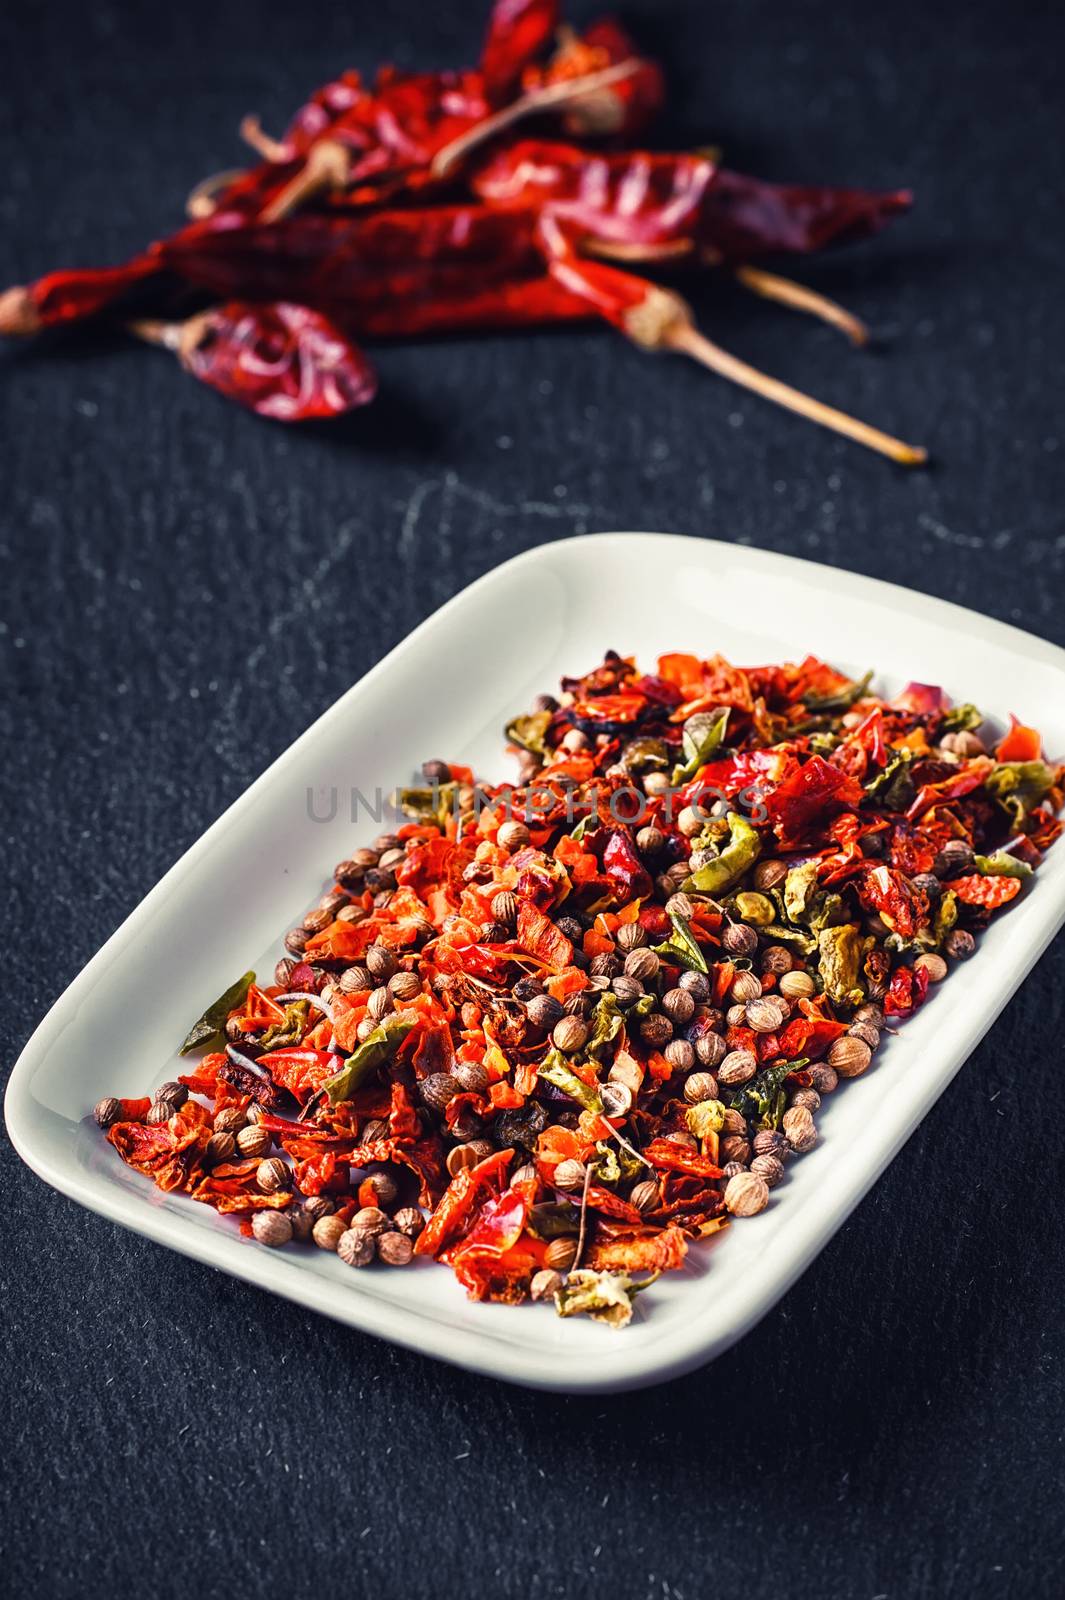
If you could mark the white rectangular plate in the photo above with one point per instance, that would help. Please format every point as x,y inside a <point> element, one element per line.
<point>446,692</point>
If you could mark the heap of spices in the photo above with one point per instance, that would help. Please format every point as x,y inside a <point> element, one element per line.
<point>420,204</point>
<point>554,1067</point>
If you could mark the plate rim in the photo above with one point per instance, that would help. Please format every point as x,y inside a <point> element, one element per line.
<point>613,1369</point>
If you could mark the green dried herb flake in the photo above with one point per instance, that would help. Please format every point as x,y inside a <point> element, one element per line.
<point>1001,864</point>
<point>554,1070</point>
<point>435,803</point>
<point>372,1053</point>
<point>209,1032</point>
<point>528,732</point>
<point>839,963</point>
<point>682,948</point>
<point>961,719</point>
<point>763,1099</point>
<point>839,700</point>
<point>280,1035</point>
<point>702,738</point>
<point>1019,786</point>
<point>603,1296</point>
<point>740,854</point>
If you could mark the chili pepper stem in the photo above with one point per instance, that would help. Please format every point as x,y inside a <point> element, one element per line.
<point>18,314</point>
<point>179,337</point>
<point>529,105</point>
<point>201,201</point>
<point>796,295</point>
<point>326,167</point>
<point>621,250</point>
<point>251,131</point>
<point>152,331</point>
<point>583,1228</point>
<point>692,343</point>
<point>663,320</point>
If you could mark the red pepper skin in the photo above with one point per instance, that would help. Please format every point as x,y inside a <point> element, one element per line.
<point>1020,744</point>
<point>299,1071</point>
<point>518,30</point>
<point>744,219</point>
<point>67,297</point>
<point>459,1202</point>
<point>360,263</point>
<point>807,797</point>
<point>623,108</point>
<point>281,361</point>
<point>623,866</point>
<point>933,794</point>
<point>653,198</point>
<point>989,892</point>
<point>627,198</point>
<point>670,1157</point>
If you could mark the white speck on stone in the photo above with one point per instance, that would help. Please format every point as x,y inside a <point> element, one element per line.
<point>735,419</point>
<point>545,386</point>
<point>86,408</point>
<point>505,442</point>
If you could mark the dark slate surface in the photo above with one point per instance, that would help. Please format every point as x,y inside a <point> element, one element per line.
<point>186,588</point>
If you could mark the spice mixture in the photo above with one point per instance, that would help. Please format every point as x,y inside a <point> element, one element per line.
<point>552,1033</point>
<point>505,194</point>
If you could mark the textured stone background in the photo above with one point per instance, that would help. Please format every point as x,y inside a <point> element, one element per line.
<point>185,588</point>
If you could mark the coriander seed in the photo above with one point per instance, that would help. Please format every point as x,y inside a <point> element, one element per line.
<point>769,1168</point>
<point>107,1112</point>
<point>356,1247</point>
<point>395,1249</point>
<point>738,1067</point>
<point>254,1141</point>
<point>746,1194</point>
<point>328,1231</point>
<point>271,1228</point>
<point>569,1035</point>
<point>850,1057</point>
<point>799,1130</point>
<point>570,1175</point>
<point>409,1220</point>
<point>273,1176</point>
<point>561,1254</point>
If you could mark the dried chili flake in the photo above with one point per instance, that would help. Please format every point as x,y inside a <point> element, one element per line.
<point>553,1001</point>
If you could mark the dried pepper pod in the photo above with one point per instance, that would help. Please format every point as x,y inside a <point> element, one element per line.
<point>408,205</point>
<point>279,360</point>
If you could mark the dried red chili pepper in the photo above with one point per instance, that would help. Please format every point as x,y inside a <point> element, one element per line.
<point>518,30</point>
<point>353,149</point>
<point>280,361</point>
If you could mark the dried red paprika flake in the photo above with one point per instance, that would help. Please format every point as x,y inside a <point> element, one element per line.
<point>569,1044</point>
<point>412,204</point>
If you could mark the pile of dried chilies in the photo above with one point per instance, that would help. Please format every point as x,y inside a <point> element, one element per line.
<point>422,204</point>
<point>549,1033</point>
